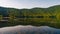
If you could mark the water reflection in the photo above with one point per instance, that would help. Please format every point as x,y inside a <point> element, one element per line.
<point>29,30</point>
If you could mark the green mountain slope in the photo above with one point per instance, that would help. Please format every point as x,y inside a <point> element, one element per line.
<point>35,16</point>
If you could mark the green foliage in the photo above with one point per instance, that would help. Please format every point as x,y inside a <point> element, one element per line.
<point>35,16</point>
<point>1,17</point>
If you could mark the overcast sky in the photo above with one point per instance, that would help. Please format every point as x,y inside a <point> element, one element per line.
<point>28,3</point>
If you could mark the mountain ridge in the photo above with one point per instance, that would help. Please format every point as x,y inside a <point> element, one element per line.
<point>39,16</point>
<point>3,10</point>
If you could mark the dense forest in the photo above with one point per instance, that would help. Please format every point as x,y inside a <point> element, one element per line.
<point>35,16</point>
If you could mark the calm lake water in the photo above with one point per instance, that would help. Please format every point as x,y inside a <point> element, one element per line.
<point>29,30</point>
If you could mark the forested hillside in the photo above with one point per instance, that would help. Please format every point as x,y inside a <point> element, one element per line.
<point>34,16</point>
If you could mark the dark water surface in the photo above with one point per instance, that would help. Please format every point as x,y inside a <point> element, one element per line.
<point>29,30</point>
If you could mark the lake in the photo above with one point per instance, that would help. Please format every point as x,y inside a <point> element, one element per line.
<point>29,30</point>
